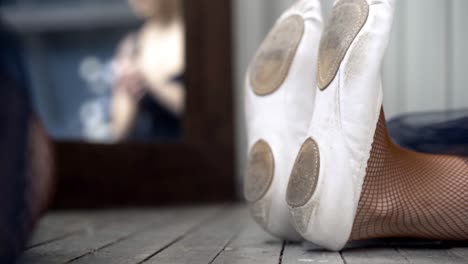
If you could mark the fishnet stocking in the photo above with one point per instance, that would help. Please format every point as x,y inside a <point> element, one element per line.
<point>408,194</point>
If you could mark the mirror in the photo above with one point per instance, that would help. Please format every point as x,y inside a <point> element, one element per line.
<point>104,71</point>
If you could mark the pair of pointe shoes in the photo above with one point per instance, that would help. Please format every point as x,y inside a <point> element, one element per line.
<point>313,101</point>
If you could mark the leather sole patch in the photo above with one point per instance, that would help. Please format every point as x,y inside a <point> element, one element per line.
<point>346,21</point>
<point>260,171</point>
<point>275,56</point>
<point>304,176</point>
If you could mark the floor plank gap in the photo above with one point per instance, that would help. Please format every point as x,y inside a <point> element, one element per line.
<point>280,260</point>
<point>224,248</point>
<point>101,248</point>
<point>161,250</point>
<point>209,219</point>
<point>51,240</point>
<point>201,246</point>
<point>343,258</point>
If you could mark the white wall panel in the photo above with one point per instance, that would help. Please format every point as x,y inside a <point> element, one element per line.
<point>393,76</point>
<point>459,55</point>
<point>425,62</point>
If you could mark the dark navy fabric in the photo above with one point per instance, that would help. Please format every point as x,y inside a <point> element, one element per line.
<point>14,118</point>
<point>436,132</point>
<point>11,62</point>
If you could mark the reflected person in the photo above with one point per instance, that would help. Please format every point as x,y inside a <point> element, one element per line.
<point>149,94</point>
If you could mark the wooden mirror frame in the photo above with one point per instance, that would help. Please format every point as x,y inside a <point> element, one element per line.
<point>201,168</point>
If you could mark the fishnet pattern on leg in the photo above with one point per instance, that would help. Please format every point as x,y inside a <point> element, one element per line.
<point>408,194</point>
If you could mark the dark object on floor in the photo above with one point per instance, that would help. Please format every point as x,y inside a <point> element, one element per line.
<point>25,155</point>
<point>14,117</point>
<point>14,214</point>
<point>436,132</point>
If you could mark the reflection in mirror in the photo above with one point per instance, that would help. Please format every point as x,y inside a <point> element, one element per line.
<point>104,71</point>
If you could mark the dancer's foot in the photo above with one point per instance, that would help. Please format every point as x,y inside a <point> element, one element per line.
<point>408,194</point>
<point>279,104</point>
<point>326,180</point>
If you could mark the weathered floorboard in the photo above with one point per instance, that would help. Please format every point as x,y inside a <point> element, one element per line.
<point>373,256</point>
<point>143,245</point>
<point>431,256</point>
<point>461,252</point>
<point>58,225</point>
<point>205,235</point>
<point>93,238</point>
<point>298,253</point>
<point>202,246</point>
<point>252,245</point>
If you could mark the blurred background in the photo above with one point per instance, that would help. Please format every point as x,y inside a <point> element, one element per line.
<point>86,72</point>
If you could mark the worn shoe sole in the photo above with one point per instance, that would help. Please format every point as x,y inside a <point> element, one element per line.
<point>279,104</point>
<point>326,179</point>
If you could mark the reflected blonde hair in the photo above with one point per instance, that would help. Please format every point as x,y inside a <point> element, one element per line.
<point>165,10</point>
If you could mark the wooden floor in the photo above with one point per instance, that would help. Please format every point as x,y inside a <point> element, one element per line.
<point>211,234</point>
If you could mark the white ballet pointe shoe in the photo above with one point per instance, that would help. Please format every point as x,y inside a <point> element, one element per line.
<point>327,177</point>
<point>279,97</point>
